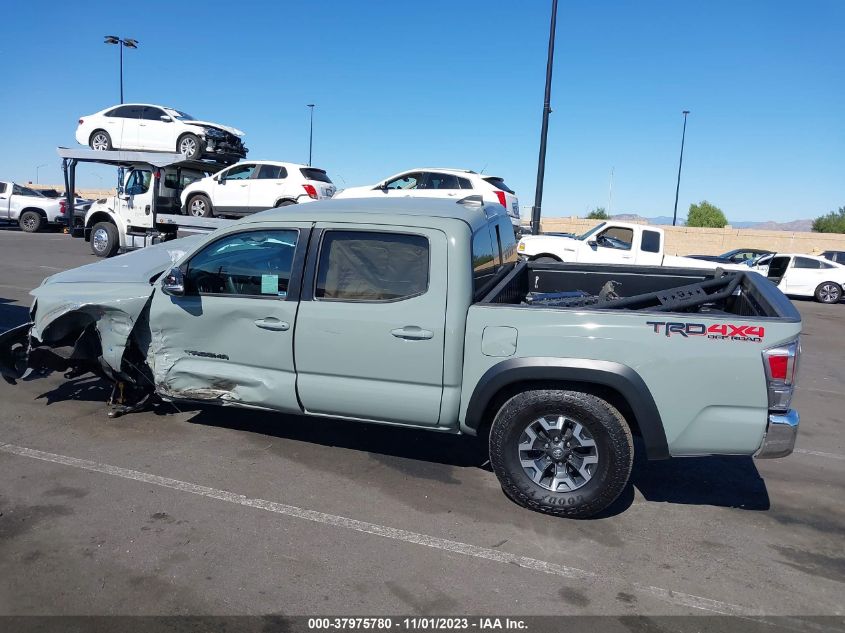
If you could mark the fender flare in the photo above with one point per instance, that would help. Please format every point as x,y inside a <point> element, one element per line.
<point>621,378</point>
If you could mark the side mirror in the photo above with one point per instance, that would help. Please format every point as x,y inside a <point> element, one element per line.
<point>382,187</point>
<point>592,244</point>
<point>221,181</point>
<point>173,283</point>
<point>166,118</point>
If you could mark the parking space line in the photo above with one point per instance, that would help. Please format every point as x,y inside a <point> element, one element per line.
<point>456,547</point>
<point>804,451</point>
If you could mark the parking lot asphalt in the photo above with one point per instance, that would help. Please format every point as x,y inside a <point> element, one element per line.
<point>224,511</point>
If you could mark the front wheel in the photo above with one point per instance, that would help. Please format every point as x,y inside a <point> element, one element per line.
<point>565,453</point>
<point>829,292</point>
<point>190,147</point>
<point>104,239</point>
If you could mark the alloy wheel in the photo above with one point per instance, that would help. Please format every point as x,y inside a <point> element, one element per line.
<point>188,146</point>
<point>829,293</point>
<point>557,453</point>
<point>100,142</point>
<point>100,240</point>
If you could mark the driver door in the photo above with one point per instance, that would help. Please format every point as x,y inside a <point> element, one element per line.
<point>137,198</point>
<point>611,245</point>
<point>229,338</point>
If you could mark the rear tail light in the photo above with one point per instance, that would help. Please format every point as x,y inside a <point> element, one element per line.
<point>502,200</point>
<point>62,207</point>
<point>781,365</point>
<point>311,191</point>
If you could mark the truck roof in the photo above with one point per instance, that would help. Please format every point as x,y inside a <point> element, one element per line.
<point>470,210</point>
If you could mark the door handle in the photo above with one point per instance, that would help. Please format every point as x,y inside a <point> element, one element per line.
<point>272,323</point>
<point>412,333</point>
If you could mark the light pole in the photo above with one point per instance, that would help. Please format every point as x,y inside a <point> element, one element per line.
<point>680,162</point>
<point>310,133</point>
<point>37,167</point>
<point>544,131</point>
<point>121,42</point>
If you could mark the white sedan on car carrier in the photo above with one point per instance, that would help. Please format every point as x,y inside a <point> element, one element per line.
<point>142,126</point>
<point>437,182</point>
<point>801,275</point>
<point>253,186</point>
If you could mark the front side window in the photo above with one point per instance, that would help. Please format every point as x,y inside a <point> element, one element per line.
<point>616,237</point>
<point>152,114</point>
<point>650,242</point>
<point>777,267</point>
<point>372,266</point>
<point>239,172</point>
<point>407,181</point>
<point>272,172</point>
<point>138,182</point>
<point>252,263</point>
<point>806,262</point>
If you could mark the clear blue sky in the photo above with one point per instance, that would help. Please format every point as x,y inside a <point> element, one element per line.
<point>460,83</point>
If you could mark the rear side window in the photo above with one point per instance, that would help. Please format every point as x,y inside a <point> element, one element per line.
<point>2,187</point>
<point>498,183</point>
<point>127,112</point>
<point>252,263</point>
<point>806,262</point>
<point>272,172</point>
<point>484,261</point>
<point>440,181</point>
<point>311,173</point>
<point>372,266</point>
<point>507,241</point>
<point>465,183</point>
<point>650,242</point>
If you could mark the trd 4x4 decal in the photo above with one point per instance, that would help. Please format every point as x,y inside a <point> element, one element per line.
<point>726,331</point>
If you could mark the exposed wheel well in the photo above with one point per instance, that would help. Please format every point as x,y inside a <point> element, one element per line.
<point>286,199</point>
<point>609,394</point>
<point>100,216</point>
<point>555,257</point>
<point>40,212</point>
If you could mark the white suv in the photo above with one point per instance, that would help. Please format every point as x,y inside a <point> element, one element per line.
<point>442,183</point>
<point>253,186</point>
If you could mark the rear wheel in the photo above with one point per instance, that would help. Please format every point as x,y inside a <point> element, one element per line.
<point>200,207</point>
<point>100,141</point>
<point>104,240</point>
<point>30,221</point>
<point>190,146</point>
<point>561,452</point>
<point>829,292</point>
<point>284,203</point>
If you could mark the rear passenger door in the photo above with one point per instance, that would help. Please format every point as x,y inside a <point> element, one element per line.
<point>651,248</point>
<point>267,187</point>
<point>129,134</point>
<point>438,185</point>
<point>370,329</point>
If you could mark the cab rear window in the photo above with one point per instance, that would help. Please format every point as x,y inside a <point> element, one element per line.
<point>311,173</point>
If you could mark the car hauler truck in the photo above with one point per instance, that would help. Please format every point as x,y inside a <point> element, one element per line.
<point>146,208</point>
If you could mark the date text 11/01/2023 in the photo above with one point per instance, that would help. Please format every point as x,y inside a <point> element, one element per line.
<point>417,624</point>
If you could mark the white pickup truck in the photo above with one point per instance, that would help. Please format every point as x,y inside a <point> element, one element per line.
<point>28,208</point>
<point>609,243</point>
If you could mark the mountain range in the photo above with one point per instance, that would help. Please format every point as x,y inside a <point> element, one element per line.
<point>795,225</point>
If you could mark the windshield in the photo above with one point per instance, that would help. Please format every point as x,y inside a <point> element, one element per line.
<point>590,232</point>
<point>182,116</point>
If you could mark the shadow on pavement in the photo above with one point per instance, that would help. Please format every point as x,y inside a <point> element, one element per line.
<point>12,314</point>
<point>722,481</point>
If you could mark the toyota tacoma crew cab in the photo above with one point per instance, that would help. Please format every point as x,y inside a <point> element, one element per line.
<point>417,312</point>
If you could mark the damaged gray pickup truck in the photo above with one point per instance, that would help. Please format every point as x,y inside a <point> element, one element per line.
<point>417,312</point>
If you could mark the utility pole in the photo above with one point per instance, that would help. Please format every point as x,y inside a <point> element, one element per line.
<point>544,131</point>
<point>121,42</point>
<point>37,167</point>
<point>680,162</point>
<point>311,134</point>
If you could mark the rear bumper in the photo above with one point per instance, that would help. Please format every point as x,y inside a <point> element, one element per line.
<point>781,432</point>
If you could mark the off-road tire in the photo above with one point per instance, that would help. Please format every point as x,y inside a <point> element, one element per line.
<point>199,206</point>
<point>100,140</point>
<point>30,221</point>
<point>828,292</point>
<point>604,423</point>
<point>193,154</point>
<point>104,245</point>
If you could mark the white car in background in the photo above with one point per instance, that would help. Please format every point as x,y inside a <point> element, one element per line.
<point>147,127</point>
<point>802,275</point>
<point>253,186</point>
<point>437,182</point>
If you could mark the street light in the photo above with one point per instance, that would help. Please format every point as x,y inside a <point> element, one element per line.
<point>680,162</point>
<point>310,133</point>
<point>37,167</point>
<point>544,131</point>
<point>128,43</point>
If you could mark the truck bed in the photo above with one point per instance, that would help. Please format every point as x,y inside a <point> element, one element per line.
<point>661,289</point>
